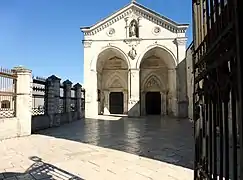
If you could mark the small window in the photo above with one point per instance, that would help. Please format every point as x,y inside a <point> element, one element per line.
<point>5,104</point>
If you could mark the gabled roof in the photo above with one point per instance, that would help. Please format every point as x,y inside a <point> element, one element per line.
<point>141,11</point>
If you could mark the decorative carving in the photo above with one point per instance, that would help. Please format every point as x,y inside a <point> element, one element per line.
<point>87,44</point>
<point>131,101</point>
<point>157,19</point>
<point>114,58</point>
<point>156,30</point>
<point>133,29</point>
<point>132,53</point>
<point>116,84</point>
<point>111,32</point>
<point>152,82</point>
<point>180,41</point>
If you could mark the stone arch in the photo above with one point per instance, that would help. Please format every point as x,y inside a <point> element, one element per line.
<point>152,80</point>
<point>166,50</point>
<point>113,80</point>
<point>94,61</point>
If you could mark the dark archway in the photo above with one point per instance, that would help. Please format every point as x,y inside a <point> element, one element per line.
<point>116,103</point>
<point>153,103</point>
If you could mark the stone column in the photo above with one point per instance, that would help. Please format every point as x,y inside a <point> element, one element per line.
<point>173,92</point>
<point>125,102</point>
<point>180,43</point>
<point>78,96</point>
<point>143,103</point>
<point>163,103</point>
<point>52,102</point>
<point>23,101</point>
<point>91,95</point>
<point>106,103</point>
<point>134,104</point>
<point>67,98</point>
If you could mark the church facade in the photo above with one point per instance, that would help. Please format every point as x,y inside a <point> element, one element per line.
<point>134,64</point>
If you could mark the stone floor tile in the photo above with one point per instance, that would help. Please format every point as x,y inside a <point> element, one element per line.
<point>131,148</point>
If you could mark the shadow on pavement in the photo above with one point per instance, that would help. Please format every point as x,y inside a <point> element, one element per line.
<point>159,138</point>
<point>40,170</point>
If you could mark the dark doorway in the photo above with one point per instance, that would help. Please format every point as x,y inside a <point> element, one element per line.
<point>116,103</point>
<point>153,103</point>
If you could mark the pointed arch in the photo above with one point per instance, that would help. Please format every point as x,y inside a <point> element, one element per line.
<point>152,80</point>
<point>113,79</point>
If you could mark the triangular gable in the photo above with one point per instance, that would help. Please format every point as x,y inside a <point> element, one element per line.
<point>139,10</point>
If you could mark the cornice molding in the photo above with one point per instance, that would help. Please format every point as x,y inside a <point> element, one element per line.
<point>180,41</point>
<point>87,44</point>
<point>140,12</point>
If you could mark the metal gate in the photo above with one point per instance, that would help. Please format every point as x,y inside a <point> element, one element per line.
<point>217,90</point>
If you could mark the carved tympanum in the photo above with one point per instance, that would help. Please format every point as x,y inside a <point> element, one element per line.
<point>116,84</point>
<point>152,82</point>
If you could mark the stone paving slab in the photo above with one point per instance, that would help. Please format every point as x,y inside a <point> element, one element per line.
<point>45,157</point>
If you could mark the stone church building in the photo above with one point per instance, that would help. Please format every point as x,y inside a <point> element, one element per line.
<point>134,64</point>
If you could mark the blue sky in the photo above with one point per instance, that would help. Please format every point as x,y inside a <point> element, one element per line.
<point>44,35</point>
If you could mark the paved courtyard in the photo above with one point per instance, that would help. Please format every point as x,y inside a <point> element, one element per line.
<point>109,148</point>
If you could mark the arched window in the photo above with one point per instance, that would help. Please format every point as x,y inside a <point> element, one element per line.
<point>5,104</point>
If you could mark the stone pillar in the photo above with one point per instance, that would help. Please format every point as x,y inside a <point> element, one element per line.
<point>143,103</point>
<point>164,104</point>
<point>173,92</point>
<point>52,102</point>
<point>106,102</point>
<point>125,102</point>
<point>180,43</point>
<point>67,98</point>
<point>23,101</point>
<point>134,104</point>
<point>91,95</point>
<point>78,96</point>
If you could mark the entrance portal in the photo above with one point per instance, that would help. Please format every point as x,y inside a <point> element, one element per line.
<point>116,103</point>
<point>153,103</point>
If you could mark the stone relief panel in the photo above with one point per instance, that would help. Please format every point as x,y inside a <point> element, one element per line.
<point>114,79</point>
<point>116,84</point>
<point>152,83</point>
<point>161,76</point>
<point>115,63</point>
<point>153,62</point>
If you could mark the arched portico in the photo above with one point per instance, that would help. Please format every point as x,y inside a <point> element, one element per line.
<point>168,54</point>
<point>112,81</point>
<point>158,78</point>
<point>107,49</point>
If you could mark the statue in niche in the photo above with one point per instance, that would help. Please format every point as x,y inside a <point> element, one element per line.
<point>133,29</point>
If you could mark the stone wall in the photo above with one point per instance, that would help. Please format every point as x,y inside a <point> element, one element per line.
<point>27,118</point>
<point>189,70</point>
<point>20,123</point>
<point>59,112</point>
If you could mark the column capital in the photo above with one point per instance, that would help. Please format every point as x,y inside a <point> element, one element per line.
<point>180,41</point>
<point>134,69</point>
<point>87,43</point>
<point>21,69</point>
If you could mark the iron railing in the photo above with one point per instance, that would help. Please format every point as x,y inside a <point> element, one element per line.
<point>39,105</point>
<point>8,82</point>
<point>217,103</point>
